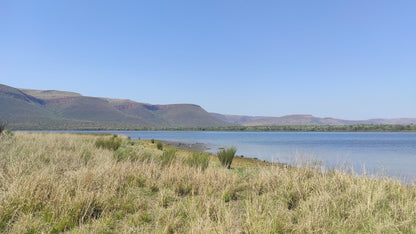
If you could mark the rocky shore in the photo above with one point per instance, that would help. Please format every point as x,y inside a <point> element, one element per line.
<point>188,146</point>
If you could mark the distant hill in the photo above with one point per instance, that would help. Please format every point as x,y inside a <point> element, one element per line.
<point>31,109</point>
<point>304,120</point>
<point>52,109</point>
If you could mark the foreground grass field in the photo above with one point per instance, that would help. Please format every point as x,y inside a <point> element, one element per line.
<point>68,182</point>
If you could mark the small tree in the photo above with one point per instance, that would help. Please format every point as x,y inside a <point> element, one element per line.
<point>226,156</point>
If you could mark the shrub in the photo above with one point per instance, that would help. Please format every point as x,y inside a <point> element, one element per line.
<point>112,143</point>
<point>159,145</point>
<point>2,126</point>
<point>198,160</point>
<point>167,157</point>
<point>152,140</point>
<point>226,156</point>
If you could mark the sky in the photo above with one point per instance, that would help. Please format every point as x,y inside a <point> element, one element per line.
<point>349,59</point>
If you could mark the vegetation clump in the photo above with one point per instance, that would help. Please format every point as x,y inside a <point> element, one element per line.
<point>112,143</point>
<point>226,156</point>
<point>198,160</point>
<point>159,145</point>
<point>168,157</point>
<point>2,127</point>
<point>4,131</point>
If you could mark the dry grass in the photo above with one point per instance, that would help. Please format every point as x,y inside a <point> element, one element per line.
<point>63,182</point>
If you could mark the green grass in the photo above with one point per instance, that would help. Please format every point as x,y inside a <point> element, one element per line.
<point>112,143</point>
<point>168,157</point>
<point>198,160</point>
<point>226,156</point>
<point>159,145</point>
<point>53,183</point>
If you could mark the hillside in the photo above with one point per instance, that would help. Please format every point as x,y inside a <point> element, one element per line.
<point>29,109</point>
<point>52,109</point>
<point>304,120</point>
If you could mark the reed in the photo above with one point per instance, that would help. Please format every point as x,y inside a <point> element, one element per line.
<point>226,156</point>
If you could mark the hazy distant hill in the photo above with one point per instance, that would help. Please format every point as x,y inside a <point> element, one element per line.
<point>303,120</point>
<point>51,109</point>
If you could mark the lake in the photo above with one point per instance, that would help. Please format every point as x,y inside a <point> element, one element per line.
<point>393,153</point>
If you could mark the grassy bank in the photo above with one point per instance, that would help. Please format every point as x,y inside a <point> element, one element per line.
<point>69,182</point>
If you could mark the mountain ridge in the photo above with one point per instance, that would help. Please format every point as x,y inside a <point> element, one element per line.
<point>30,109</point>
<point>53,109</point>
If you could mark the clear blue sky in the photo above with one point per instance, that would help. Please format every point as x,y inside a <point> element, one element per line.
<point>345,59</point>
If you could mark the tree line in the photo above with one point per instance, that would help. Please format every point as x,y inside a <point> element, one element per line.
<point>311,128</point>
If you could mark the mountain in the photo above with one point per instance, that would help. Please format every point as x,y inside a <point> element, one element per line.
<point>303,120</point>
<point>52,109</point>
<point>31,109</point>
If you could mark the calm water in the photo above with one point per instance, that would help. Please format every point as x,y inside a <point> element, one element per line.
<point>395,153</point>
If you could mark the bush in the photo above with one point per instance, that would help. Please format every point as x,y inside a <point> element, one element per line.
<point>152,140</point>
<point>2,126</point>
<point>198,160</point>
<point>112,143</point>
<point>226,156</point>
<point>167,157</point>
<point>159,145</point>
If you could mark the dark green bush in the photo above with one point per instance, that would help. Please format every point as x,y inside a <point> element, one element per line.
<point>112,143</point>
<point>198,160</point>
<point>159,145</point>
<point>167,157</point>
<point>226,156</point>
<point>152,140</point>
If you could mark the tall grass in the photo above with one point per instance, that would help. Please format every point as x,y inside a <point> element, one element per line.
<point>168,157</point>
<point>112,143</point>
<point>64,183</point>
<point>226,156</point>
<point>198,160</point>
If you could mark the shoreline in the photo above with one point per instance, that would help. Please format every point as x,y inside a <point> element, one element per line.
<point>201,147</point>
